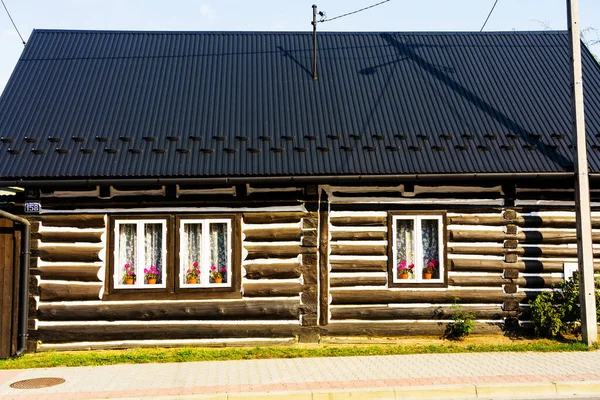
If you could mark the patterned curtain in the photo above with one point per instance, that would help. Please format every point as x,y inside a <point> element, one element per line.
<point>405,244</point>
<point>127,249</point>
<point>218,249</point>
<point>429,228</point>
<point>193,236</point>
<point>153,241</point>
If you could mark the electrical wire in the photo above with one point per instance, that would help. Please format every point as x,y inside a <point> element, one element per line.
<point>489,15</point>
<point>13,22</point>
<point>354,12</point>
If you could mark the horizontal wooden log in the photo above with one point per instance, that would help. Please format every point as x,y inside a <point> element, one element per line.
<point>273,218</point>
<point>498,281</point>
<point>468,219</point>
<point>73,221</point>
<point>68,292</point>
<point>423,296</point>
<point>357,250</point>
<point>81,273</point>
<point>273,271</point>
<point>352,265</point>
<point>272,235</point>
<point>68,253</point>
<point>479,265</point>
<point>267,289</point>
<point>435,312</point>
<point>68,237</point>
<point>528,237</point>
<point>87,332</point>
<point>358,220</point>
<point>188,310</point>
<point>551,221</point>
<point>257,251</point>
<point>358,235</point>
<point>358,281</point>
<point>478,236</point>
<point>476,250</point>
<point>167,343</point>
<point>401,329</point>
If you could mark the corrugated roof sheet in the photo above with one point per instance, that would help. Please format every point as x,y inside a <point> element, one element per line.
<point>193,104</point>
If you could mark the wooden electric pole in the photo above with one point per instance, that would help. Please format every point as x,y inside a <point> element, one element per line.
<point>585,258</point>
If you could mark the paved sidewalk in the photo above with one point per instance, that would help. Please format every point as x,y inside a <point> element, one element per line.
<point>469,375</point>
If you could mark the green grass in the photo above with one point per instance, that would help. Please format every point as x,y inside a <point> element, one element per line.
<point>187,354</point>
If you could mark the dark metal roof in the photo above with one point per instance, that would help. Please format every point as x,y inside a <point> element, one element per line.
<point>102,104</point>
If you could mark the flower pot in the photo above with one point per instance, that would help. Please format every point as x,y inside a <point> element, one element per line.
<point>129,281</point>
<point>218,280</point>
<point>151,281</point>
<point>192,281</point>
<point>403,276</point>
<point>427,275</point>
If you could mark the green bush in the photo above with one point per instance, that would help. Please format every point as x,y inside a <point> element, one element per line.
<point>462,325</point>
<point>559,312</point>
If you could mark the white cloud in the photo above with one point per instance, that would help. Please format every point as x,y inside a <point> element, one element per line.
<point>207,11</point>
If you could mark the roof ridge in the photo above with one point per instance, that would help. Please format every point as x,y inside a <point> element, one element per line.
<point>412,33</point>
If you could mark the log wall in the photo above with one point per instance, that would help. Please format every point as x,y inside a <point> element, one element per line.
<point>499,258</point>
<point>278,288</point>
<point>306,274</point>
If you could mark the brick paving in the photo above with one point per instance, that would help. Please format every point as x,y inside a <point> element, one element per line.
<point>308,374</point>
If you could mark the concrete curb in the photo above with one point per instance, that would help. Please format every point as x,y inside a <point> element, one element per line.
<point>464,391</point>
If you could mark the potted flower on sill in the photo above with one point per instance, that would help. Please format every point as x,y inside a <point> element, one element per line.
<point>405,269</point>
<point>429,268</point>
<point>216,275</point>
<point>193,274</point>
<point>151,275</point>
<point>129,275</point>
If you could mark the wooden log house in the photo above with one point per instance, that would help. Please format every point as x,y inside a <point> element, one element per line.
<point>279,209</point>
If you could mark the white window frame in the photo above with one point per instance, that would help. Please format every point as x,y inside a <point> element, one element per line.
<point>418,251</point>
<point>118,264</point>
<point>205,262</point>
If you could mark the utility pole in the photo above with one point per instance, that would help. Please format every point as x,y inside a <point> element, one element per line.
<point>585,257</point>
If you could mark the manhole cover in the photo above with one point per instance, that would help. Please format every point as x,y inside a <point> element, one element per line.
<point>37,383</point>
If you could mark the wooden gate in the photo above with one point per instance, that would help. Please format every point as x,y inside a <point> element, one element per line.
<point>10,243</point>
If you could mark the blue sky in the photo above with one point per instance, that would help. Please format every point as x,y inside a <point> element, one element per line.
<point>294,15</point>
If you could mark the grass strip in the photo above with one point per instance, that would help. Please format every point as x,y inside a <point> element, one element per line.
<point>189,354</point>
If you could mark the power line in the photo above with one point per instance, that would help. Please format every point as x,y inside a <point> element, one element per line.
<point>488,17</point>
<point>353,12</point>
<point>13,22</point>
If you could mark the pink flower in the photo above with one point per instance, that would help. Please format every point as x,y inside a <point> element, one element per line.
<point>198,271</point>
<point>195,265</point>
<point>146,270</point>
<point>213,267</point>
<point>127,265</point>
<point>223,270</point>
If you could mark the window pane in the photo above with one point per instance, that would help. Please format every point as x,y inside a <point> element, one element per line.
<point>431,257</point>
<point>405,249</point>
<point>153,257</point>
<point>219,254</point>
<point>127,253</point>
<point>193,261</point>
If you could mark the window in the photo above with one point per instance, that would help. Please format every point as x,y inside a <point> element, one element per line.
<point>174,256</point>
<point>417,249</point>
<point>140,253</point>
<point>205,253</point>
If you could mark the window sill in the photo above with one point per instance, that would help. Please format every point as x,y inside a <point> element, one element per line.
<point>163,294</point>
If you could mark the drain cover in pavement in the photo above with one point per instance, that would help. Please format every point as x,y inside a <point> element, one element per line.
<point>37,383</point>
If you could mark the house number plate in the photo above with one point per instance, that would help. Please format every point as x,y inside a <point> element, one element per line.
<point>33,207</point>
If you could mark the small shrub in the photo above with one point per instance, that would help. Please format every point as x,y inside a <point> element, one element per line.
<point>558,313</point>
<point>462,325</point>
